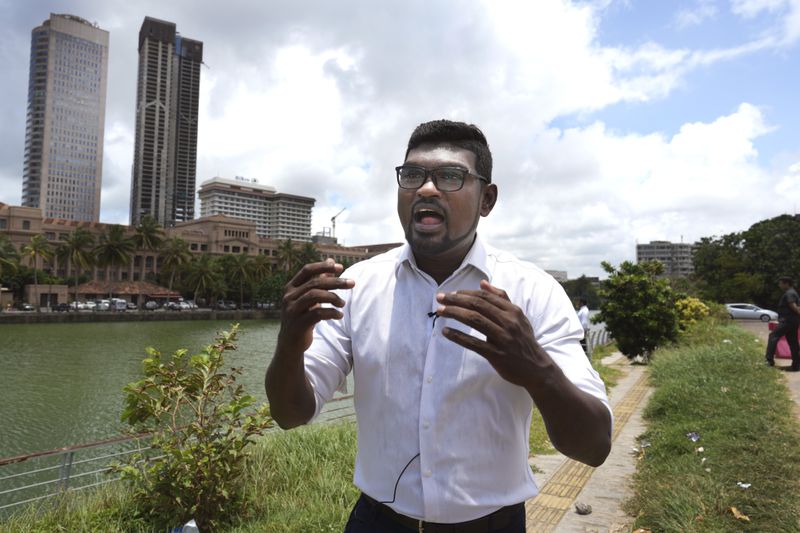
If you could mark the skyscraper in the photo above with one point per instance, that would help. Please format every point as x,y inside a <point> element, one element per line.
<point>167,98</point>
<point>63,166</point>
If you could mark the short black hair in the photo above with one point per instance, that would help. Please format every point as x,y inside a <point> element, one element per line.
<point>786,279</point>
<point>582,301</point>
<point>458,134</point>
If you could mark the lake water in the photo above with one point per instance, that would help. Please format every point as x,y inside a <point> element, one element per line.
<point>61,384</point>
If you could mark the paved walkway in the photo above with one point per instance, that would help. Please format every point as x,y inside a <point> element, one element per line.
<point>563,482</point>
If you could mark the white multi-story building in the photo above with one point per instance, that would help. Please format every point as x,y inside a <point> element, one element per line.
<point>66,117</point>
<point>676,257</point>
<point>276,215</point>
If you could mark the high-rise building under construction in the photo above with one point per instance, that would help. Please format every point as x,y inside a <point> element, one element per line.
<point>167,100</point>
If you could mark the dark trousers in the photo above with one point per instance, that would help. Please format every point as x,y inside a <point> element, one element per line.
<point>367,518</point>
<point>789,329</point>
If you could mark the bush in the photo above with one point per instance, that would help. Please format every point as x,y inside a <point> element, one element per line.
<point>196,415</point>
<point>638,308</point>
<point>690,311</point>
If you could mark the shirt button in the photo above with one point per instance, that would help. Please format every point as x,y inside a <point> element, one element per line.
<point>430,379</point>
<point>428,473</point>
<point>426,425</point>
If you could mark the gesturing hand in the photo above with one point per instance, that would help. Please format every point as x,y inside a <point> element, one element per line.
<point>510,346</point>
<point>303,301</point>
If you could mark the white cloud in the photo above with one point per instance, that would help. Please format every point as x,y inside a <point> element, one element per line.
<point>702,11</point>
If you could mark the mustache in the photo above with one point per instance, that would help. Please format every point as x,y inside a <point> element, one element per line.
<point>427,203</point>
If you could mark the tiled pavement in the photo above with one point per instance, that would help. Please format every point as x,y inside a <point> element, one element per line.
<point>563,482</point>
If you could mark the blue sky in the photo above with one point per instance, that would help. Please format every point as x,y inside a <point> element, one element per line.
<point>611,122</point>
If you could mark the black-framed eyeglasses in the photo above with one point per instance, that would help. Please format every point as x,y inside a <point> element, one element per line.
<point>446,179</point>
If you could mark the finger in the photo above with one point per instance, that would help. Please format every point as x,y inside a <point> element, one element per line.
<point>310,318</point>
<point>490,326</point>
<point>469,342</point>
<point>488,305</point>
<point>317,296</point>
<point>313,270</point>
<point>488,287</point>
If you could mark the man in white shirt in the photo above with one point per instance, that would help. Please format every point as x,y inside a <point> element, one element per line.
<point>583,316</point>
<point>451,342</point>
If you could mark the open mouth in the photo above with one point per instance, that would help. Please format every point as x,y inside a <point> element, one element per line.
<point>428,216</point>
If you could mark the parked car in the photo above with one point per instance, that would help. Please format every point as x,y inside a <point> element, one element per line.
<point>90,305</point>
<point>118,304</point>
<point>102,305</point>
<point>25,307</point>
<point>751,311</point>
<point>61,307</point>
<point>131,306</point>
<point>151,305</point>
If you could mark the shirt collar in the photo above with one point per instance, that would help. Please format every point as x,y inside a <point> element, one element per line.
<point>478,257</point>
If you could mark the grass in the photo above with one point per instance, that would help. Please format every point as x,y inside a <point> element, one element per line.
<point>714,383</point>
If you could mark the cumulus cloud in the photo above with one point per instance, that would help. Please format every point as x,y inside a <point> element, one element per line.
<point>318,98</point>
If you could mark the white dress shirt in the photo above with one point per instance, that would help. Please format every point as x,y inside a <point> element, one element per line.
<point>415,392</point>
<point>583,316</point>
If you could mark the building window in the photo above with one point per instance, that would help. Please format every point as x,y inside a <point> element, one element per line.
<point>194,246</point>
<point>203,247</point>
<point>26,224</point>
<point>226,248</point>
<point>236,249</point>
<point>2,223</point>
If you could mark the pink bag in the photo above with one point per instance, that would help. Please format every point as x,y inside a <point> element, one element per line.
<point>782,351</point>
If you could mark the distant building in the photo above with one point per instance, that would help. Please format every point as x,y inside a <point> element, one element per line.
<point>215,235</point>
<point>63,166</point>
<point>676,257</point>
<point>559,275</point>
<point>167,100</point>
<point>277,215</point>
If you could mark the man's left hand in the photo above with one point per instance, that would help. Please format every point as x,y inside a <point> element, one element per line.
<point>510,346</point>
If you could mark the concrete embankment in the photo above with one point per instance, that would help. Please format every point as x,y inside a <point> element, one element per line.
<point>133,316</point>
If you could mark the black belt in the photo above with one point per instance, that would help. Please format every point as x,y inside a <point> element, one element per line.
<point>492,522</point>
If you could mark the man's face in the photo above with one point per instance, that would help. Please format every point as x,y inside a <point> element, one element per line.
<point>783,285</point>
<point>442,225</point>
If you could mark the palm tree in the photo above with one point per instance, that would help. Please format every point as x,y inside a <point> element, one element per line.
<point>77,251</point>
<point>174,255</point>
<point>9,258</point>
<point>287,256</point>
<point>308,254</point>
<point>204,276</point>
<point>260,268</point>
<point>37,248</point>
<point>240,270</point>
<point>113,250</point>
<point>149,236</point>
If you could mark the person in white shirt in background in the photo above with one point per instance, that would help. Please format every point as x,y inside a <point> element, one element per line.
<point>583,316</point>
<point>451,343</point>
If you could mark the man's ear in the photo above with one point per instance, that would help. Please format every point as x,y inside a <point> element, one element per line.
<point>488,199</point>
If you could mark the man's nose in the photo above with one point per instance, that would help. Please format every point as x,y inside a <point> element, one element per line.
<point>428,188</point>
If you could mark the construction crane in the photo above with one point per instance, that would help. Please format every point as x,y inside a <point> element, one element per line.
<point>333,222</point>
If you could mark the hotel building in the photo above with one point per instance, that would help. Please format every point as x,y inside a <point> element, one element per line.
<point>276,215</point>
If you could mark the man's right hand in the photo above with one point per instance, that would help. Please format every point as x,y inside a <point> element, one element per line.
<point>303,303</point>
<point>307,300</point>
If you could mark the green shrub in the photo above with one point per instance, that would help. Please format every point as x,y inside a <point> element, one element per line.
<point>638,308</point>
<point>200,424</point>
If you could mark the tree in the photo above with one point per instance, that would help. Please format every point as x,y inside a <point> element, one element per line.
<point>9,257</point>
<point>238,270</point>
<point>308,254</point>
<point>77,251</point>
<point>204,277</point>
<point>113,250</point>
<point>148,237</point>
<point>287,256</point>
<point>582,287</point>
<point>37,248</point>
<point>175,255</point>
<point>638,308</point>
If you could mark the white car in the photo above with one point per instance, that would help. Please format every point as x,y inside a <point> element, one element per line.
<point>750,311</point>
